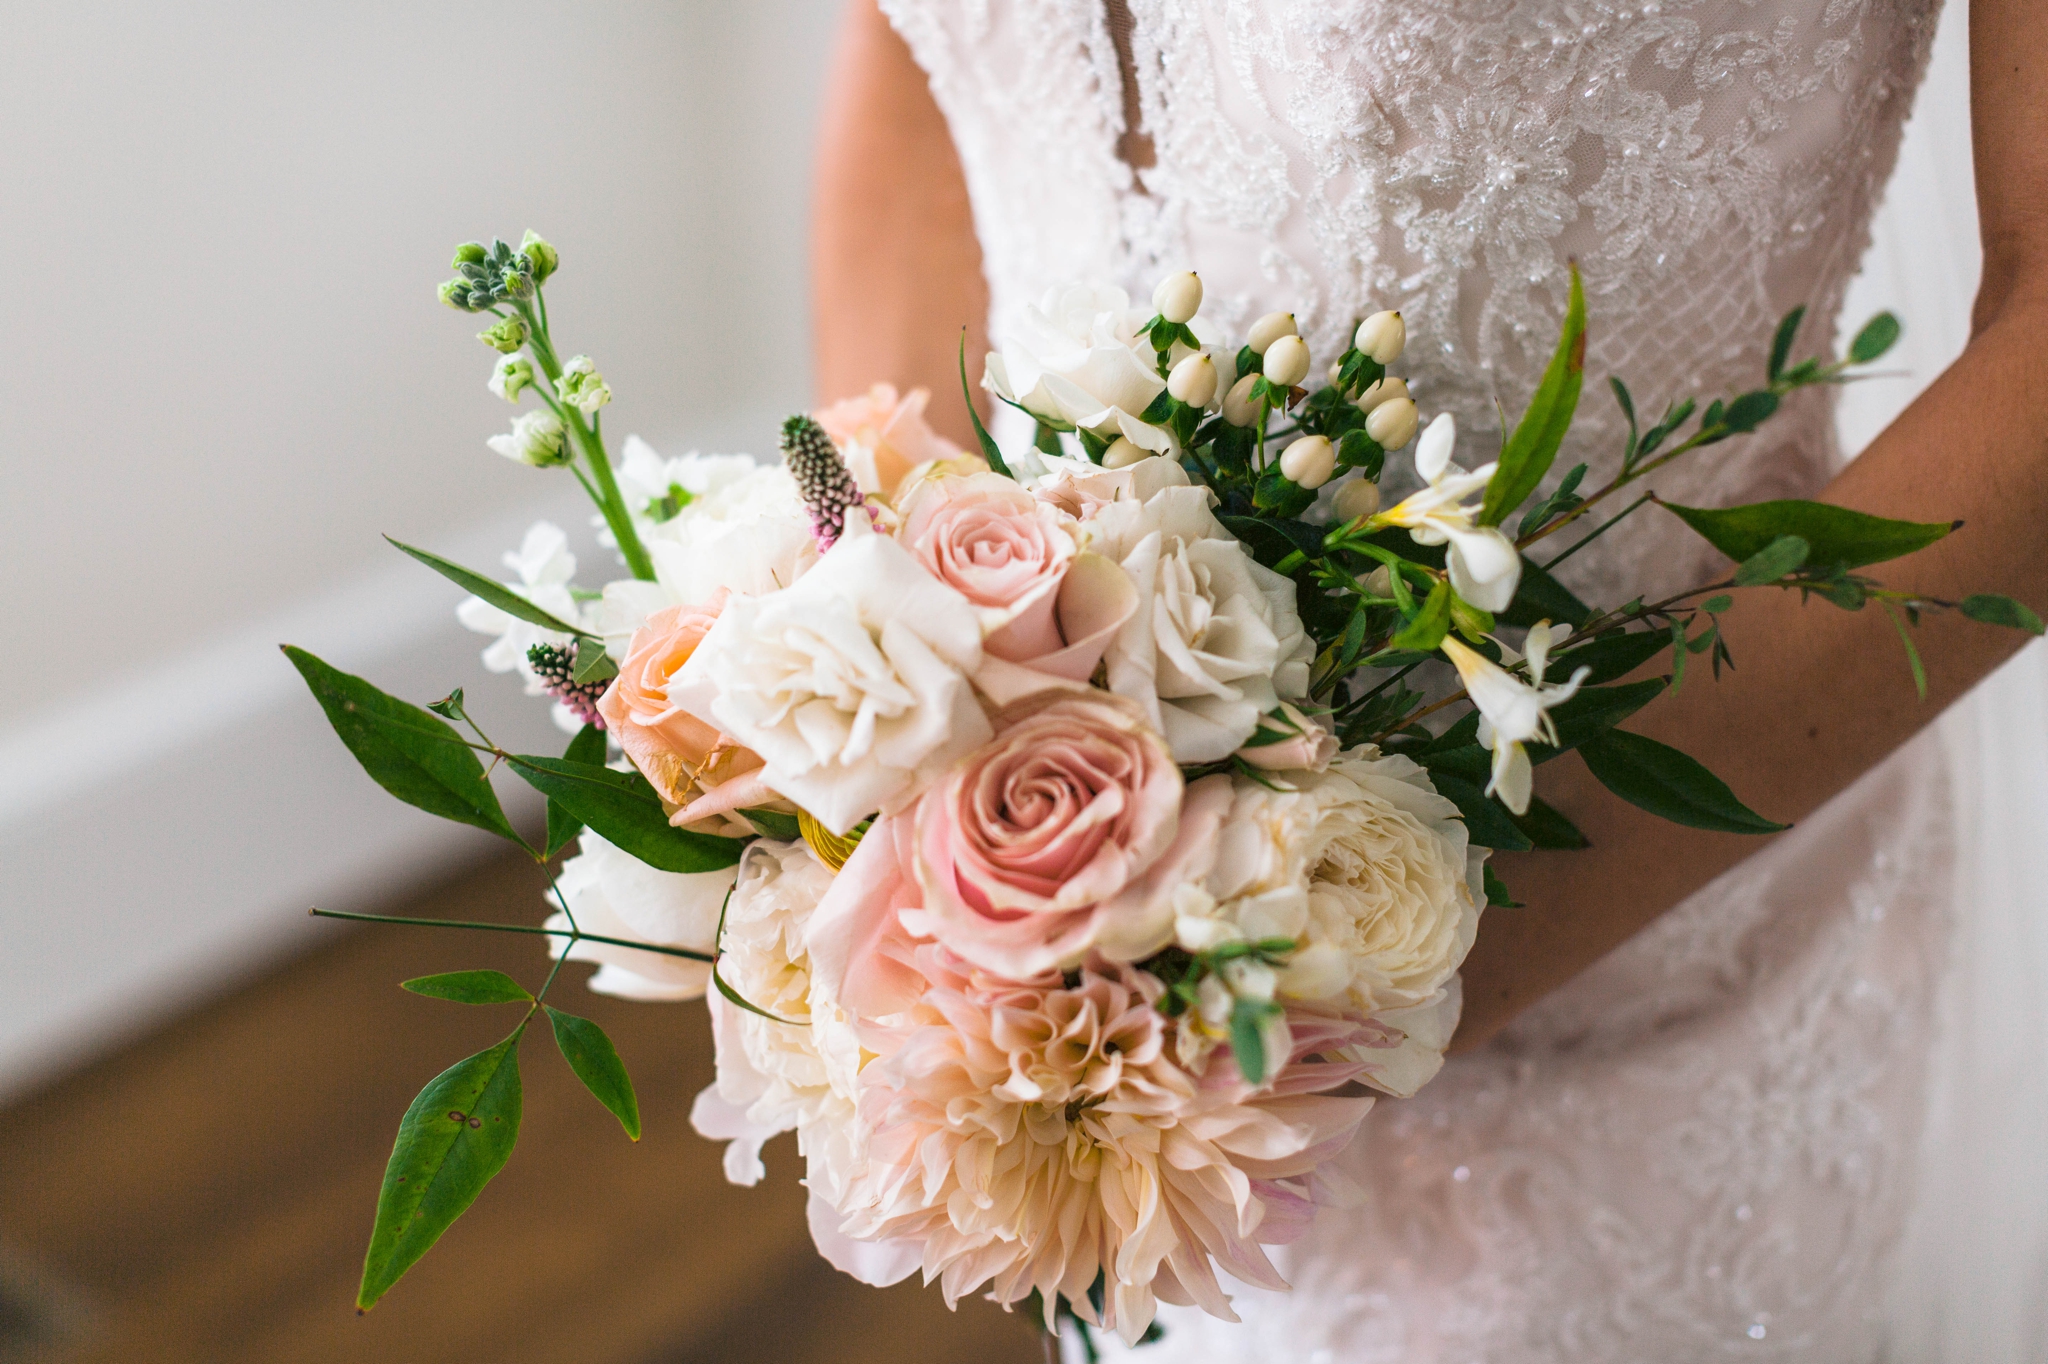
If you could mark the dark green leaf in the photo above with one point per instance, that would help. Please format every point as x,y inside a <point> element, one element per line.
<point>1874,340</point>
<point>457,1134</point>
<point>1430,625</point>
<point>1844,592</point>
<point>774,824</point>
<point>596,1063</point>
<point>587,748</point>
<point>1772,562</point>
<point>1272,541</point>
<point>1628,409</point>
<point>469,987</point>
<point>1542,597</point>
<point>415,756</point>
<point>1557,504</point>
<point>1837,536</point>
<point>1994,609</point>
<point>1751,410</point>
<point>1716,605</point>
<point>989,450</point>
<point>1595,710</point>
<point>1356,450</point>
<point>1781,343</point>
<point>1466,760</point>
<point>1486,819</point>
<point>1547,828</point>
<point>490,590</point>
<point>449,707</point>
<point>1670,785</point>
<point>625,811</point>
<point>1536,438</point>
<point>1674,417</point>
<point>1613,657</point>
<point>593,664</point>
<point>1247,1044</point>
<point>1280,495</point>
<point>1497,896</point>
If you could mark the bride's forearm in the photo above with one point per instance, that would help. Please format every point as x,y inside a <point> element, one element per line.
<point>896,269</point>
<point>1820,695</point>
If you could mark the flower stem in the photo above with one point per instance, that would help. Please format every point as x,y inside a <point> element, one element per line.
<point>510,928</point>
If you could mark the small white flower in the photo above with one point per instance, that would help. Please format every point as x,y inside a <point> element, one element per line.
<point>1513,712</point>
<point>536,439</point>
<point>581,386</point>
<point>1484,565</point>
<point>511,376</point>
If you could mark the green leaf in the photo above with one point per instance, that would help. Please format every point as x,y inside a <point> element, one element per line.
<point>417,757</point>
<point>469,987</point>
<point>1715,605</point>
<point>1247,1043</point>
<point>625,811</point>
<point>1280,496</point>
<point>1430,625</point>
<point>1781,343</point>
<point>1357,450</point>
<point>1596,710</point>
<point>492,591</point>
<point>1497,896</point>
<point>1772,562</point>
<point>1912,653</point>
<point>1486,819</point>
<point>1611,658</point>
<point>457,1134</point>
<point>1836,536</point>
<point>775,824</point>
<point>1670,785</point>
<point>1539,596</point>
<point>989,449</point>
<point>1628,409</point>
<point>1750,411</point>
<point>1538,435</point>
<point>1993,609</point>
<point>1545,827</point>
<point>1272,541</point>
<point>1874,340</point>
<point>1563,500</point>
<point>593,664</point>
<point>596,1063</point>
<point>588,748</point>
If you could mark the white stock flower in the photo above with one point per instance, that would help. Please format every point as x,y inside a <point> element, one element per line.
<point>581,386</point>
<point>616,895</point>
<point>535,438</point>
<point>1081,358</point>
<point>1216,641</point>
<point>1513,712</point>
<point>543,568</point>
<point>850,684</point>
<point>1484,565</point>
<point>511,376</point>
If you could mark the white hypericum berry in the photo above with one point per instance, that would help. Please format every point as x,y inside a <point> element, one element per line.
<point>1382,336</point>
<point>1238,408</point>
<point>1309,462</point>
<point>1286,361</point>
<point>1122,453</point>
<point>1392,423</point>
<point>1178,296</point>
<point>1269,329</point>
<point>1382,391</point>
<point>1360,497</point>
<point>1193,380</point>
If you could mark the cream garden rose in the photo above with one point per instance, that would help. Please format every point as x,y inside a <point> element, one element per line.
<point>616,895</point>
<point>1080,358</point>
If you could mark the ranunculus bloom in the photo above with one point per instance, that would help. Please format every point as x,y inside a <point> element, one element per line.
<point>615,894</point>
<point>1002,549</point>
<point>883,437</point>
<point>1068,833</point>
<point>680,755</point>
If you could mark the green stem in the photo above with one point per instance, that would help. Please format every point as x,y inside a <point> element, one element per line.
<point>509,928</point>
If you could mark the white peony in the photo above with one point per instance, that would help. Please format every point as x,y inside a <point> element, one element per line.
<point>1216,642</point>
<point>1081,358</point>
<point>851,684</point>
<point>615,894</point>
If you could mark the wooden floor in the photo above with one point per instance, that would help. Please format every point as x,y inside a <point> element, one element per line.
<point>205,1195</point>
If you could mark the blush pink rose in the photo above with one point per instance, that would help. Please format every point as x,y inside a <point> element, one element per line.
<point>883,437</point>
<point>1002,549</point>
<point>680,755</point>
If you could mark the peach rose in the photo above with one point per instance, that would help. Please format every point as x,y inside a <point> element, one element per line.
<point>679,754</point>
<point>1002,549</point>
<point>883,436</point>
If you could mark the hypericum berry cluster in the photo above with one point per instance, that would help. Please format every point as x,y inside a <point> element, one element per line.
<point>556,668</point>
<point>822,478</point>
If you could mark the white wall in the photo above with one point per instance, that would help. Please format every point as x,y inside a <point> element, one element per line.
<point>223,372</point>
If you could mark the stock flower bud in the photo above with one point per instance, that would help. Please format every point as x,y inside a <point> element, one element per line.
<point>1269,329</point>
<point>1286,361</point>
<point>511,377</point>
<point>470,253</point>
<point>1392,423</point>
<point>1383,390</point>
<point>1178,296</point>
<point>1122,453</point>
<point>1360,497</point>
<point>1193,380</point>
<point>1382,336</point>
<point>506,337</point>
<point>536,439</point>
<point>540,256</point>
<point>1309,462</point>
<point>1238,408</point>
<point>455,293</point>
<point>581,386</point>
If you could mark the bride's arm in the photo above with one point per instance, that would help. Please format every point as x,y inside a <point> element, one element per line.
<point>1822,695</point>
<point>896,269</point>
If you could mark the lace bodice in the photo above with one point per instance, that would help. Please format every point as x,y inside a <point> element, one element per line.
<point>1698,1150</point>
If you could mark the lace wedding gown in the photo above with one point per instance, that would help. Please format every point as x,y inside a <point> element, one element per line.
<point>1702,1148</point>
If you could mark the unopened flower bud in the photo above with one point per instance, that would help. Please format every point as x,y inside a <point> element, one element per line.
<point>1238,408</point>
<point>581,386</point>
<point>455,293</point>
<point>1269,329</point>
<point>507,336</point>
<point>1309,462</point>
<point>536,439</point>
<point>1122,453</point>
<point>1382,391</point>
<point>1193,380</point>
<point>1286,361</point>
<point>1178,296</point>
<point>1360,497</point>
<point>1382,336</point>
<point>470,253</point>
<point>1333,373</point>
<point>512,376</point>
<point>540,256</point>
<point>1392,423</point>
<point>1380,582</point>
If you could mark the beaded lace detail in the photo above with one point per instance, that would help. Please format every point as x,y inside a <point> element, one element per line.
<point>1700,1148</point>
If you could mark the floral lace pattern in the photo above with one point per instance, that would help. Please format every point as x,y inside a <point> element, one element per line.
<point>1700,1149</point>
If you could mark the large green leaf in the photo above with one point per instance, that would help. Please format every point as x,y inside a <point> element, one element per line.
<point>414,755</point>
<point>587,748</point>
<point>1534,444</point>
<point>625,811</point>
<point>1430,625</point>
<point>1835,536</point>
<point>1594,711</point>
<point>1546,827</point>
<point>457,1134</point>
<point>596,1063</point>
<point>1670,785</point>
<point>1486,819</point>
<point>1542,597</point>
<point>492,591</point>
<point>1611,658</point>
<point>469,987</point>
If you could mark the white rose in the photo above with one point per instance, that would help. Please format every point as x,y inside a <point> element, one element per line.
<point>1215,642</point>
<point>1081,358</point>
<point>850,684</point>
<point>616,894</point>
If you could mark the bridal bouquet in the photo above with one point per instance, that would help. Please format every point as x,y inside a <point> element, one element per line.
<point>1070,840</point>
